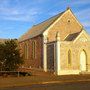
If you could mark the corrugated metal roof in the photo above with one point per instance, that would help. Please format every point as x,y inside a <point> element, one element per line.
<point>39,28</point>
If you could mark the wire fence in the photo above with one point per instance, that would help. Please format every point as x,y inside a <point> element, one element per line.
<point>14,73</point>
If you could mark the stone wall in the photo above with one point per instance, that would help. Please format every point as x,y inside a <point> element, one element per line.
<point>67,24</point>
<point>76,49</point>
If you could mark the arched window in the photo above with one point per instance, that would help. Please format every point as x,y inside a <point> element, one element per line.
<point>83,60</point>
<point>69,57</point>
<point>33,49</point>
<point>26,51</point>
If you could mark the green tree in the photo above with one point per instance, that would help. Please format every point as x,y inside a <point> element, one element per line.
<point>2,56</point>
<point>10,57</point>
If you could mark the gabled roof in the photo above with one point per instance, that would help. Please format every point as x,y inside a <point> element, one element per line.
<point>72,37</point>
<point>84,33</point>
<point>39,28</point>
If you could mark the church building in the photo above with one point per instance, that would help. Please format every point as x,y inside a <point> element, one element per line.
<point>59,45</point>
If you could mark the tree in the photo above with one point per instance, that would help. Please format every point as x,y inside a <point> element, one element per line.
<point>10,57</point>
<point>2,56</point>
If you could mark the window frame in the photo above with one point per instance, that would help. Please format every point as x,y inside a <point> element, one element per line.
<point>34,49</point>
<point>69,57</point>
<point>26,51</point>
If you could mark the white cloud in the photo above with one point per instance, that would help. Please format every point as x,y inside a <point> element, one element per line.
<point>19,14</point>
<point>83,12</point>
<point>86,23</point>
<point>84,16</point>
<point>53,13</point>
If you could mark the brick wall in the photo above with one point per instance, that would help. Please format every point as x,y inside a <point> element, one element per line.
<point>36,62</point>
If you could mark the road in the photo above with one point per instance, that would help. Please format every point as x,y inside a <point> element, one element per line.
<point>68,86</point>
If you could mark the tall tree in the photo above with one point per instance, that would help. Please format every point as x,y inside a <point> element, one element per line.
<point>2,56</point>
<point>10,55</point>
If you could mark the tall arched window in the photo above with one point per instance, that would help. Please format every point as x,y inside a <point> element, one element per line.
<point>83,60</point>
<point>26,51</point>
<point>33,49</point>
<point>69,57</point>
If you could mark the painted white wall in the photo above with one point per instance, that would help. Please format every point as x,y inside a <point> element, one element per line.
<point>45,53</point>
<point>58,65</point>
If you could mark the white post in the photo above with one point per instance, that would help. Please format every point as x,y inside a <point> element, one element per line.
<point>45,53</point>
<point>58,68</point>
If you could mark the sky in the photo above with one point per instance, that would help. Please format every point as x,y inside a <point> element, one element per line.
<point>17,16</point>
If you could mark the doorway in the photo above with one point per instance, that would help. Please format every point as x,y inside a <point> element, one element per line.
<point>50,57</point>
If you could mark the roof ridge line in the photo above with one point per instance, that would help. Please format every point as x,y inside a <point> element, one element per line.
<point>49,18</point>
<point>56,18</point>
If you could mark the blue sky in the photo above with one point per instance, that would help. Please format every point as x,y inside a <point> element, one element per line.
<point>17,16</point>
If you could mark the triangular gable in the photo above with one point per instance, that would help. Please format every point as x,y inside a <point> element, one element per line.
<point>83,37</point>
<point>43,27</point>
<point>68,10</point>
<point>39,28</point>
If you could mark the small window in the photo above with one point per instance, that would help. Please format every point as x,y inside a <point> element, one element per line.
<point>69,57</point>
<point>68,21</point>
<point>33,49</point>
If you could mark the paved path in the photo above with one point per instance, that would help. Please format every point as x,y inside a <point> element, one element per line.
<point>29,81</point>
<point>69,86</point>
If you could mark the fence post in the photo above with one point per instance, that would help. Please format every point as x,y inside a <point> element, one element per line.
<point>18,73</point>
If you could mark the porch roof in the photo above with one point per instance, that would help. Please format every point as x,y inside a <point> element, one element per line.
<point>72,37</point>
